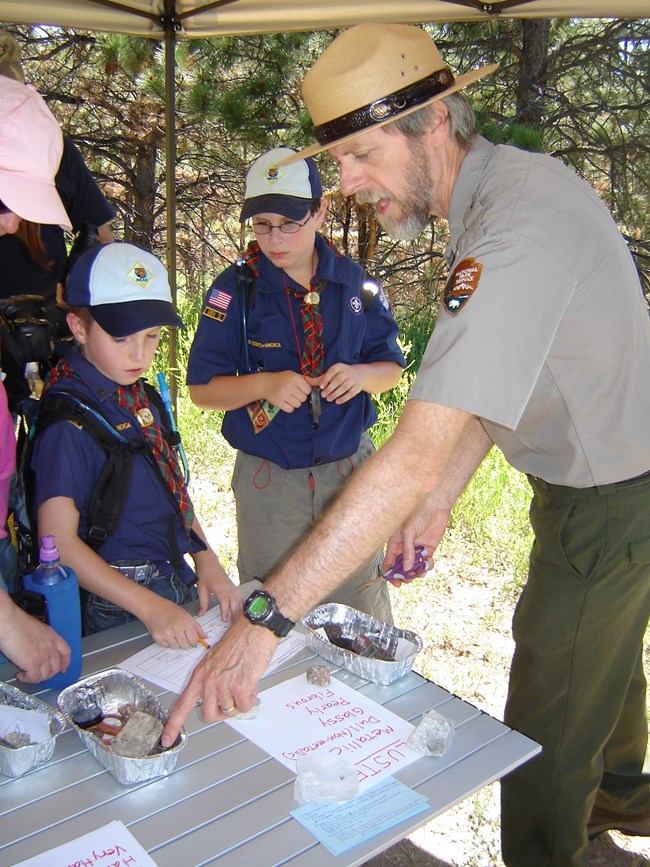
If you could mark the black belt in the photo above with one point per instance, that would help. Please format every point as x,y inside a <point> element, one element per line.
<point>634,478</point>
<point>565,489</point>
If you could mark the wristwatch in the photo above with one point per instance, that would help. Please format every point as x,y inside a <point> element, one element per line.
<point>262,609</point>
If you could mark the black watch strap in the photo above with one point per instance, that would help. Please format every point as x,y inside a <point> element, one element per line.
<point>262,610</point>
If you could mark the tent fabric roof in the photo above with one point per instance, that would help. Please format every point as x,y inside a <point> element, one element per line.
<point>206,18</point>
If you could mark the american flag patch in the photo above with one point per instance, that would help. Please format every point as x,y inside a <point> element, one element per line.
<point>219,299</point>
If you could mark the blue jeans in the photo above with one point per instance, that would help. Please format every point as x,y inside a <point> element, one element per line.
<point>100,614</point>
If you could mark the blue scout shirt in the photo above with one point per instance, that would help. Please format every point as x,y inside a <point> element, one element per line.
<point>350,335</point>
<point>67,462</point>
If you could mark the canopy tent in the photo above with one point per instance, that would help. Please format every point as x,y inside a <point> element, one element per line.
<point>200,19</point>
<point>205,18</point>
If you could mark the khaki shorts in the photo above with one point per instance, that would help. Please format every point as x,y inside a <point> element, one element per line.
<point>276,509</point>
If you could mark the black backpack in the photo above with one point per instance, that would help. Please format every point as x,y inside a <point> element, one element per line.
<point>109,496</point>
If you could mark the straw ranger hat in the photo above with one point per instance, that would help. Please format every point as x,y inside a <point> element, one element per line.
<point>370,75</point>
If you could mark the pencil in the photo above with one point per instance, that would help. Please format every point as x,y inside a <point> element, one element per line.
<point>204,643</point>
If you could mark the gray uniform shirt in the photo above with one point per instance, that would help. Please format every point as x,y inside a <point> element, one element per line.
<point>543,333</point>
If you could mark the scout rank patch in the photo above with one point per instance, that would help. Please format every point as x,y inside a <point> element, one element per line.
<point>140,276</point>
<point>273,174</point>
<point>218,303</point>
<point>461,285</point>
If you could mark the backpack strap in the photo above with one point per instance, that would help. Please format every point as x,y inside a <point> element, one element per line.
<point>111,490</point>
<point>109,495</point>
<point>246,297</point>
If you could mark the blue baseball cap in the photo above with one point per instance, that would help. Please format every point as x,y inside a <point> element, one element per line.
<point>288,190</point>
<point>125,287</point>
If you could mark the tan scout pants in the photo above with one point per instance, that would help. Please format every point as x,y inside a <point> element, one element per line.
<point>276,509</point>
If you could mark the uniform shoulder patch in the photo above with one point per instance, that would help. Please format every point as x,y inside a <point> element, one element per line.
<point>461,285</point>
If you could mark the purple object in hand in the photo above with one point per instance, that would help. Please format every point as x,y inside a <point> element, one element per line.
<point>418,568</point>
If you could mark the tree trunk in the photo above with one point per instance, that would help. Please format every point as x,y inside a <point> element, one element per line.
<point>140,229</point>
<point>533,69</point>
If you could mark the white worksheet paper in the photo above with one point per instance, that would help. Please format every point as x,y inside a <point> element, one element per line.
<point>113,845</point>
<point>21,721</point>
<point>171,668</point>
<point>296,718</point>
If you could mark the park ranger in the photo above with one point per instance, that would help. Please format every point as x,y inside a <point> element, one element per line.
<point>542,346</point>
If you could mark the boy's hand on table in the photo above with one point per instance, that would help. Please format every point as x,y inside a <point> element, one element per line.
<point>170,625</point>
<point>213,580</point>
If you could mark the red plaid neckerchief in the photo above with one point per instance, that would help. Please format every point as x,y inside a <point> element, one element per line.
<point>134,399</point>
<point>251,257</point>
<point>313,352</point>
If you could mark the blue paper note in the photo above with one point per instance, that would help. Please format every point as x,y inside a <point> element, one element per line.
<point>340,827</point>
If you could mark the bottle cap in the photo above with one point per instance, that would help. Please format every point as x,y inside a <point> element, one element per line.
<point>48,553</point>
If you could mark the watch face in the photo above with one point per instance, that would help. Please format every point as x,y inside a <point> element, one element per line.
<point>258,607</point>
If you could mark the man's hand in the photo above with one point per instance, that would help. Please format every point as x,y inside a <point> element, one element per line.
<point>426,526</point>
<point>225,681</point>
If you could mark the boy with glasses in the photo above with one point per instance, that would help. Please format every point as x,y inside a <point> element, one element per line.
<point>291,345</point>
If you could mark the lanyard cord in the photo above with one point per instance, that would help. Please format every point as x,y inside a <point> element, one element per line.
<point>295,332</point>
<point>311,323</point>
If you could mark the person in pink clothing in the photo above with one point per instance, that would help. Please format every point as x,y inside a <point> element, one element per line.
<point>31,144</point>
<point>38,651</point>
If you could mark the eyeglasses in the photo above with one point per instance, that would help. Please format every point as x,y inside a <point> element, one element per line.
<point>4,209</point>
<point>289,227</point>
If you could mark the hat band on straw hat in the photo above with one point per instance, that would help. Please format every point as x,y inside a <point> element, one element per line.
<point>382,109</point>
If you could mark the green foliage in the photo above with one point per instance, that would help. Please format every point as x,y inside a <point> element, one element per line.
<point>233,108</point>
<point>389,407</point>
<point>490,520</point>
<point>521,135</point>
<point>200,99</point>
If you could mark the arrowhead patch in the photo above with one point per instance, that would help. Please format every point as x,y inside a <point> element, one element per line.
<point>461,285</point>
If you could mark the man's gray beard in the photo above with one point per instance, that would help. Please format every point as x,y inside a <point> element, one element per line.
<point>408,228</point>
<point>416,203</point>
<point>405,228</point>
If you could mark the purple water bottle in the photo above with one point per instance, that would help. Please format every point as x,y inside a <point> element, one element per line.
<point>59,585</point>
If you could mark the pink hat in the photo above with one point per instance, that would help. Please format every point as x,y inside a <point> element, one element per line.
<point>31,146</point>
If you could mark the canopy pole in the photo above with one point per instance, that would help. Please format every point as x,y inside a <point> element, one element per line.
<point>170,23</point>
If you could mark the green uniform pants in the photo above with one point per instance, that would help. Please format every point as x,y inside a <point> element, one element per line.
<point>276,509</point>
<point>576,683</point>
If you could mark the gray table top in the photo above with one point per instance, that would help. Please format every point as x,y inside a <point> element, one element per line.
<point>228,802</point>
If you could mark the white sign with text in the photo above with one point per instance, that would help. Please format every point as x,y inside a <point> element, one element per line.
<point>296,719</point>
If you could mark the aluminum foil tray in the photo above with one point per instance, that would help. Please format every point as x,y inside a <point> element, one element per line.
<point>16,762</point>
<point>108,690</point>
<point>354,623</point>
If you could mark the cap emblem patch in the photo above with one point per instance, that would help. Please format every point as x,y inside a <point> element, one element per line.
<point>461,285</point>
<point>140,275</point>
<point>273,174</point>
